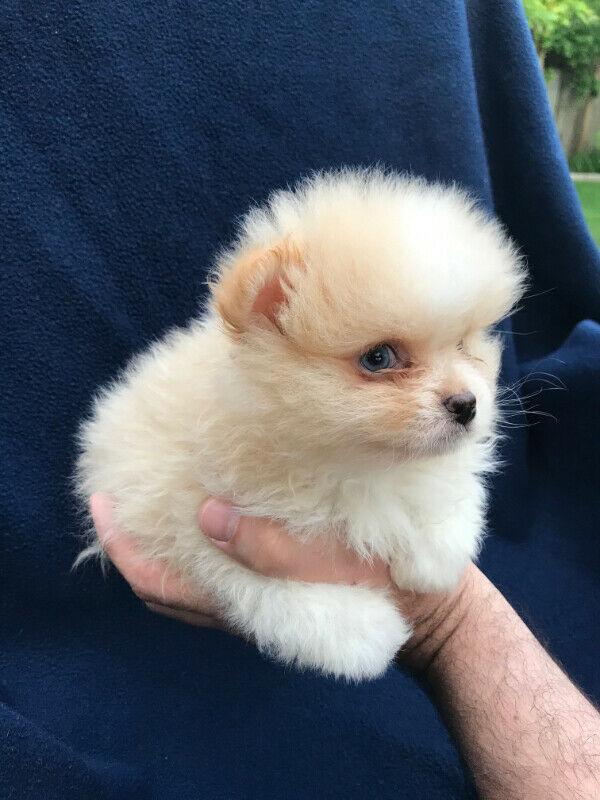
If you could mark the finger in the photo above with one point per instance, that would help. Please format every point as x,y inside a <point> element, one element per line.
<point>190,617</point>
<point>150,580</point>
<point>264,546</point>
<point>101,509</point>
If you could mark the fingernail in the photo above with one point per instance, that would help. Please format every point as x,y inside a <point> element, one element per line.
<point>218,519</point>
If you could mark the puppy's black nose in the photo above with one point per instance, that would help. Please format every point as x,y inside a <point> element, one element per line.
<point>462,406</point>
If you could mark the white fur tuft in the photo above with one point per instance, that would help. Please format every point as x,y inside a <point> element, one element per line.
<point>352,632</point>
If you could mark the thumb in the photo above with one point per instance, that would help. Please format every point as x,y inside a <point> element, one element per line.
<point>259,544</point>
<point>264,546</point>
<point>219,520</point>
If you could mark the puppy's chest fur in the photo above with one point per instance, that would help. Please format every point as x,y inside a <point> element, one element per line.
<point>398,512</point>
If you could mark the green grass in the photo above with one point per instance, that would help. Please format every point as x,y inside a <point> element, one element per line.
<point>589,194</point>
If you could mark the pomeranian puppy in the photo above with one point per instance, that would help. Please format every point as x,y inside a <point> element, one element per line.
<point>341,380</point>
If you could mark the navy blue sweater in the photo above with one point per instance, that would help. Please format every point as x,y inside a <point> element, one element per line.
<point>131,135</point>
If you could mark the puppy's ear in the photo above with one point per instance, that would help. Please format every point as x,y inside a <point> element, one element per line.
<point>256,287</point>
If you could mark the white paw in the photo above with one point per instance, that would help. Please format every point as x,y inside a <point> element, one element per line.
<point>345,631</point>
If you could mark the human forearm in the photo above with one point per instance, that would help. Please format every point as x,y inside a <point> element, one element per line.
<point>524,728</point>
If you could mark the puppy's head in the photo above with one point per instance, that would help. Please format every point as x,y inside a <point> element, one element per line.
<point>363,304</point>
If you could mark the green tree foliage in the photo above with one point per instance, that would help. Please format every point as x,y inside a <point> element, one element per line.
<point>567,34</point>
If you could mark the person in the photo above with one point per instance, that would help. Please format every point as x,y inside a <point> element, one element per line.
<point>525,730</point>
<point>132,136</point>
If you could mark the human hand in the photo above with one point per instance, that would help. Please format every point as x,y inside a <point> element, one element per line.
<point>263,546</point>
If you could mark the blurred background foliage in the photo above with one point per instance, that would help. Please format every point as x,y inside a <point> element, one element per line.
<point>567,36</point>
<point>567,39</point>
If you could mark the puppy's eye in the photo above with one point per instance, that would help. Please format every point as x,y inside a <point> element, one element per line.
<point>460,345</point>
<point>379,358</point>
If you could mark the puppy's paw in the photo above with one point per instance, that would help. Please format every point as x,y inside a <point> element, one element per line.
<point>345,631</point>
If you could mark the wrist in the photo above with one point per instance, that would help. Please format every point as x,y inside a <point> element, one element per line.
<point>437,620</point>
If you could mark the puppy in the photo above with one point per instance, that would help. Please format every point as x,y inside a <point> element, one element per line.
<point>341,380</point>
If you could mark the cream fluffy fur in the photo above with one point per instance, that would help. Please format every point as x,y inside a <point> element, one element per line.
<point>262,401</point>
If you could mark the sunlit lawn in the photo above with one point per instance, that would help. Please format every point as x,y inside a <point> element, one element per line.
<point>589,194</point>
